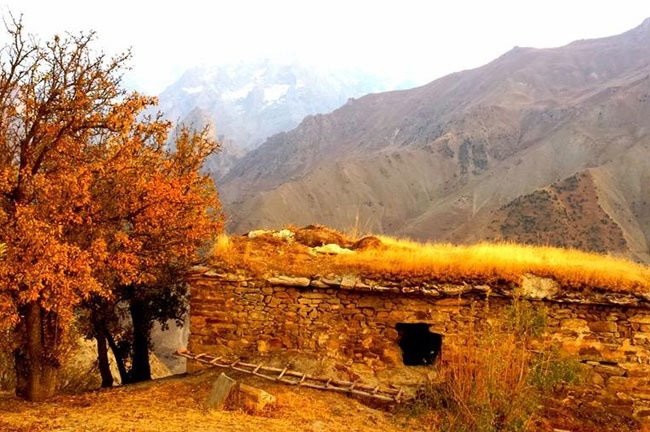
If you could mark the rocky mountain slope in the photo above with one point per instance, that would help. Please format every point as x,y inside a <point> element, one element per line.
<point>247,102</point>
<point>472,155</point>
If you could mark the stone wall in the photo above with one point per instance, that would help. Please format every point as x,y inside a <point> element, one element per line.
<point>355,321</point>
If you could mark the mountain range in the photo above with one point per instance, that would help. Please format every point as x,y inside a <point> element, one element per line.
<point>547,146</point>
<point>246,102</point>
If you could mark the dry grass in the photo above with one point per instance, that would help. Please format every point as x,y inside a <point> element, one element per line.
<point>491,381</point>
<point>491,262</point>
<point>178,404</point>
<point>486,386</point>
<point>408,260</point>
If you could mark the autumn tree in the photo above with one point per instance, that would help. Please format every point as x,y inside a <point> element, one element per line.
<point>156,208</point>
<point>88,195</point>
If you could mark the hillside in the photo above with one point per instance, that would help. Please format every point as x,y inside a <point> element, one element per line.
<point>445,161</point>
<point>245,103</point>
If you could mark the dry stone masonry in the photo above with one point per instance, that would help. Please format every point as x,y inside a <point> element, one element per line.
<point>355,320</point>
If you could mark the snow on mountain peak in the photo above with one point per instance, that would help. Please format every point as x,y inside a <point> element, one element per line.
<point>237,96</point>
<point>275,92</point>
<point>193,90</point>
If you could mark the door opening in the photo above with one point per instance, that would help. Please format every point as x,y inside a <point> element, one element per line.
<point>419,345</point>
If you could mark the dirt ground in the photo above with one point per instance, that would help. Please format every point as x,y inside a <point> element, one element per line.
<point>178,404</point>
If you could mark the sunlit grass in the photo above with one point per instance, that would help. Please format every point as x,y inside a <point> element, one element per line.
<point>397,259</point>
<point>499,261</point>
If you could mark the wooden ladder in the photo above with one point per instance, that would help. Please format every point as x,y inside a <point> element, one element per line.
<point>286,376</point>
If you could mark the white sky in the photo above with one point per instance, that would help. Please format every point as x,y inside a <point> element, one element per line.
<point>405,39</point>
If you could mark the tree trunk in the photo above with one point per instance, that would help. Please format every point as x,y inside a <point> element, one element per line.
<point>102,357</point>
<point>36,370</point>
<point>22,372</point>
<point>140,370</point>
<point>124,375</point>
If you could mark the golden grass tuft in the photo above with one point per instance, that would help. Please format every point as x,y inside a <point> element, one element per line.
<point>490,262</point>
<point>491,380</point>
<point>399,259</point>
<point>223,244</point>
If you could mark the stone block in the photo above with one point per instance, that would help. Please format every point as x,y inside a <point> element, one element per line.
<point>589,353</point>
<point>641,395</point>
<point>382,316</point>
<point>224,326</point>
<point>391,334</point>
<point>535,287</point>
<point>221,390</point>
<point>371,301</point>
<point>391,357</point>
<point>252,399</point>
<point>602,326</point>
<point>253,297</point>
<point>454,290</point>
<point>308,301</point>
<point>317,283</point>
<point>637,370</point>
<point>576,325</point>
<point>640,318</point>
<point>609,370</point>
<point>453,302</point>
<point>597,379</point>
<point>314,295</point>
<point>619,383</point>
<point>289,281</point>
<point>641,336</point>
<point>348,282</point>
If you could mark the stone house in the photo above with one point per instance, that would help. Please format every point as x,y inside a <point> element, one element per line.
<point>396,324</point>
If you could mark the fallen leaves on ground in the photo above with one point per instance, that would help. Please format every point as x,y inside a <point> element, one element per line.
<point>178,404</point>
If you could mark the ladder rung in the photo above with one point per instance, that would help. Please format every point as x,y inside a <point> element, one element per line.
<point>251,369</point>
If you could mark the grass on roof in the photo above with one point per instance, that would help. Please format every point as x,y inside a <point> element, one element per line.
<point>491,262</point>
<point>396,259</point>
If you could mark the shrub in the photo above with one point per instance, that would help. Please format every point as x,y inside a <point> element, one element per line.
<point>494,382</point>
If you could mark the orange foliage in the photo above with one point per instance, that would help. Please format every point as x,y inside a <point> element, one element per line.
<point>89,196</point>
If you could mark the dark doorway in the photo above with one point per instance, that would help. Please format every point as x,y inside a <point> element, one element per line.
<point>419,346</point>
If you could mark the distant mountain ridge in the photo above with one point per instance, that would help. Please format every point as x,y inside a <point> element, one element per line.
<point>246,102</point>
<point>452,160</point>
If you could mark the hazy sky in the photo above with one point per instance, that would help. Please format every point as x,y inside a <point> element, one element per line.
<point>408,40</point>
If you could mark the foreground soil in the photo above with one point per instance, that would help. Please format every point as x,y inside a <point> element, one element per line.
<point>178,404</point>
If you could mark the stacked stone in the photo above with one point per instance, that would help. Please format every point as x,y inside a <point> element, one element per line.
<point>352,319</point>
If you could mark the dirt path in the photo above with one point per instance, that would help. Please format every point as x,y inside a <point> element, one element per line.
<point>178,404</point>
